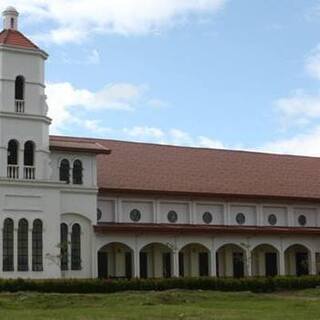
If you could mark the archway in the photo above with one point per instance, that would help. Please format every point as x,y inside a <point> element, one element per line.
<point>265,261</point>
<point>297,260</point>
<point>115,260</point>
<point>231,261</point>
<point>194,261</point>
<point>156,261</point>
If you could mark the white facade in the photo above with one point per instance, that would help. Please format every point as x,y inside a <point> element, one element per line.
<point>50,227</point>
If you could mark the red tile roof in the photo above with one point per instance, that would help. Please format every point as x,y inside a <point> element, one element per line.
<point>151,168</point>
<point>62,144</point>
<point>15,38</point>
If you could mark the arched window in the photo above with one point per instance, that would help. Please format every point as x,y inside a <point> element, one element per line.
<point>65,170</point>
<point>64,246</point>
<point>23,245</point>
<point>12,152</point>
<point>76,247</point>
<point>37,244</point>
<point>12,23</point>
<point>77,172</point>
<point>19,88</point>
<point>29,153</point>
<point>7,255</point>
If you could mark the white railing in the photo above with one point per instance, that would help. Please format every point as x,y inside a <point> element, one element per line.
<point>13,171</point>
<point>19,106</point>
<point>29,172</point>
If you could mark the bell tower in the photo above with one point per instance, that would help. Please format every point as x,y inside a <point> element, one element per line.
<point>24,125</point>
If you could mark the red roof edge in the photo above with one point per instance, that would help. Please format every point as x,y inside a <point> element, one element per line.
<point>103,191</point>
<point>60,145</point>
<point>200,229</point>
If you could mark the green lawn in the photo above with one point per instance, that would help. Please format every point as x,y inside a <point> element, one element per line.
<point>162,305</point>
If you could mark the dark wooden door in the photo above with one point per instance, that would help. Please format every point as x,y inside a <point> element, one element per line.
<point>271,264</point>
<point>181,264</point>
<point>128,265</point>
<point>143,265</point>
<point>203,264</point>
<point>102,265</point>
<point>238,265</point>
<point>302,266</point>
<point>166,264</point>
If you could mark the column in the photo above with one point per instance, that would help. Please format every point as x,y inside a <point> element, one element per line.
<point>136,263</point>
<point>175,255</point>
<point>282,267</point>
<point>15,246</point>
<point>213,265</point>
<point>30,246</point>
<point>249,263</point>
<point>313,262</point>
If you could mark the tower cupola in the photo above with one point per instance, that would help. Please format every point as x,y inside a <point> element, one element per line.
<point>10,18</point>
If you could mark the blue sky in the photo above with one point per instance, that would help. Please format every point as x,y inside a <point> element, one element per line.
<point>212,73</point>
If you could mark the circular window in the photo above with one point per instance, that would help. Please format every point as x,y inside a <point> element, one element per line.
<point>172,216</point>
<point>302,220</point>
<point>272,219</point>
<point>207,217</point>
<point>99,214</point>
<point>240,218</point>
<point>135,215</point>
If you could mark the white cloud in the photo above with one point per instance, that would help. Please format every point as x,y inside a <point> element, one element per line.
<point>74,20</point>
<point>172,136</point>
<point>299,108</point>
<point>302,144</point>
<point>62,97</point>
<point>312,64</point>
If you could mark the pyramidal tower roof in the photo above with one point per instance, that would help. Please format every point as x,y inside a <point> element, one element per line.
<point>10,35</point>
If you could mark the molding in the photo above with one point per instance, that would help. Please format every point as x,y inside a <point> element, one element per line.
<point>36,52</point>
<point>26,82</point>
<point>24,116</point>
<point>62,186</point>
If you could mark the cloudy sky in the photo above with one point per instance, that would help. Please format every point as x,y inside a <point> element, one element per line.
<point>212,73</point>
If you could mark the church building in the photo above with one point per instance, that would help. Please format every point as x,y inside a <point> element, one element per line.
<point>85,208</point>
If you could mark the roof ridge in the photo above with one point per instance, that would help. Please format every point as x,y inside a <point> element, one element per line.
<point>86,139</point>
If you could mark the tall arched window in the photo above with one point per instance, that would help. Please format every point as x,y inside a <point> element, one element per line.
<point>65,170</point>
<point>76,247</point>
<point>37,244</point>
<point>29,153</point>
<point>23,245</point>
<point>13,152</point>
<point>64,246</point>
<point>77,172</point>
<point>7,245</point>
<point>19,88</point>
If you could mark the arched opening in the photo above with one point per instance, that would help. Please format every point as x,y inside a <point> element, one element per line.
<point>19,93</point>
<point>13,152</point>
<point>64,246</point>
<point>7,245</point>
<point>23,245</point>
<point>265,261</point>
<point>77,172</point>
<point>115,260</point>
<point>297,260</point>
<point>64,170</point>
<point>231,261</point>
<point>29,153</point>
<point>76,247</point>
<point>28,160</point>
<point>37,244</point>
<point>19,88</point>
<point>156,261</point>
<point>194,261</point>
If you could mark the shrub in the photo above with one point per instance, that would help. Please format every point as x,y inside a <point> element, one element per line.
<point>254,284</point>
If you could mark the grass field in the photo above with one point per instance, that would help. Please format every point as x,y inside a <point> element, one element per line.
<point>162,305</point>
